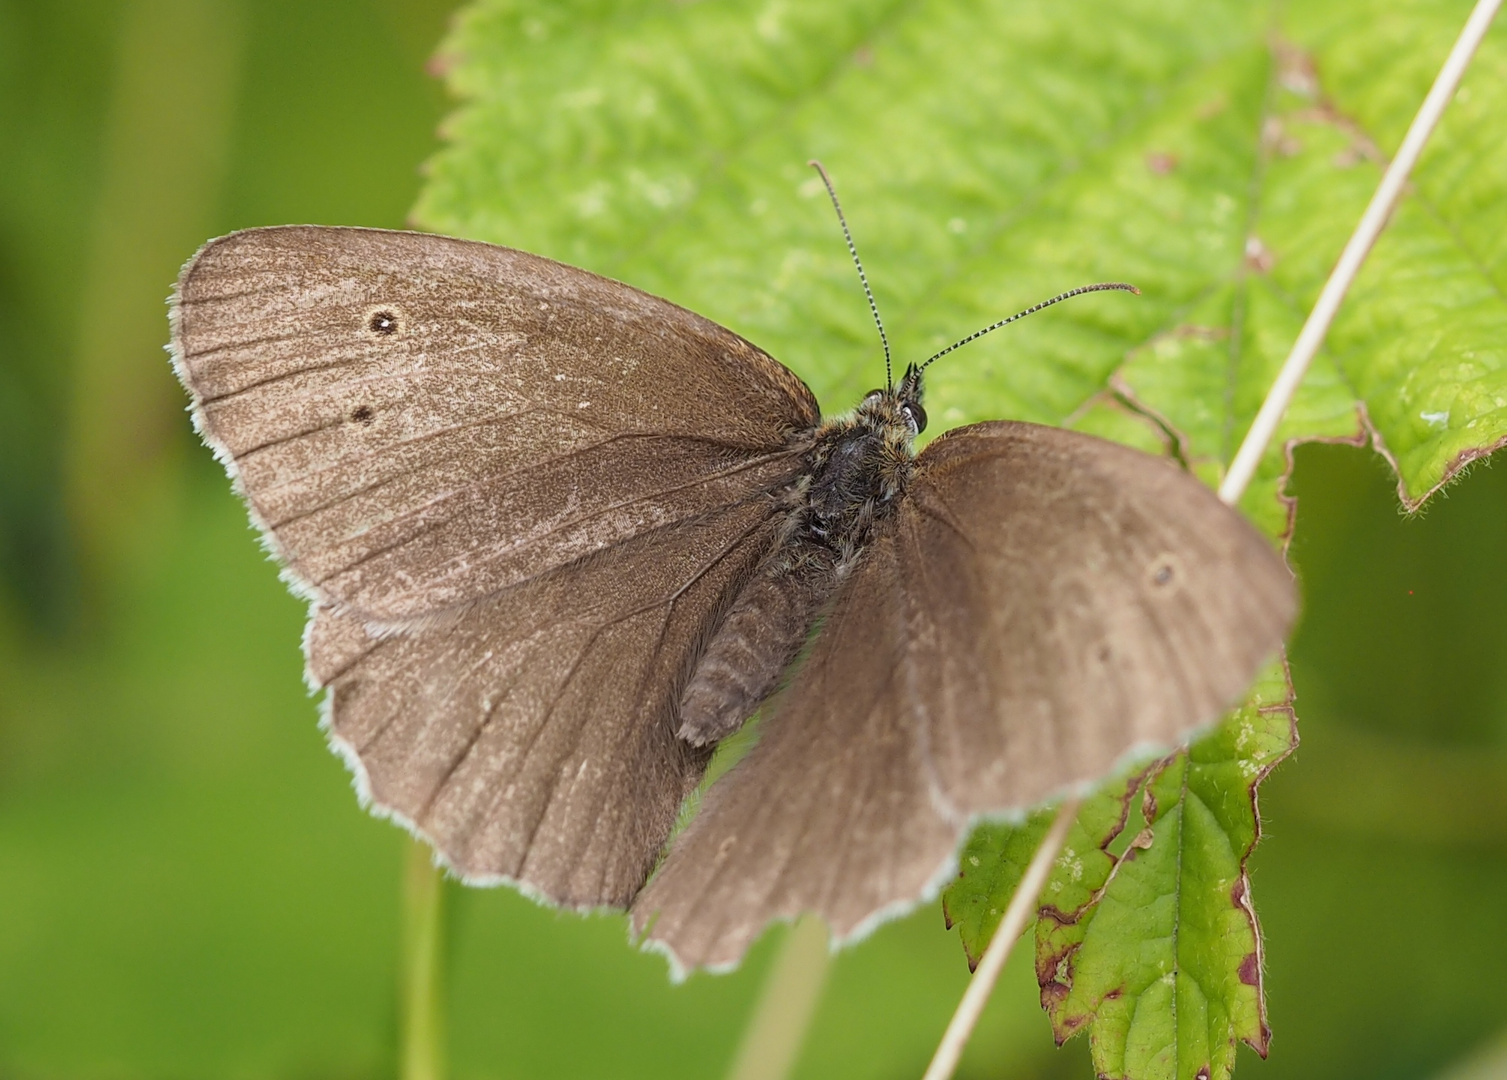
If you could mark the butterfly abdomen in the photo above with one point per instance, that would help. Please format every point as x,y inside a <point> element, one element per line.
<point>855,474</point>
<point>757,641</point>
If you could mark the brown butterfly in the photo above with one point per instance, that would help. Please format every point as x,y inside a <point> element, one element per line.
<point>561,537</point>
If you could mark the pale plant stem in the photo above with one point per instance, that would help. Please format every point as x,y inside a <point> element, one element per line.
<point>786,1005</point>
<point>1264,427</point>
<point>1019,913</point>
<point>1242,469</point>
<point>421,1019</point>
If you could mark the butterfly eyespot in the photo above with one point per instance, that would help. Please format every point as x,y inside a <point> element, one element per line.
<point>384,321</point>
<point>363,415</point>
<point>916,416</point>
<point>1164,573</point>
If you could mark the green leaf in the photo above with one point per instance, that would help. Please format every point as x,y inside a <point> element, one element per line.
<point>670,151</point>
<point>1423,339</point>
<point>1157,952</point>
<point>989,154</point>
<point>1416,358</point>
<point>996,855</point>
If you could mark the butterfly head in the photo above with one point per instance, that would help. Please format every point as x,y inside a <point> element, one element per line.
<point>897,409</point>
<point>908,394</point>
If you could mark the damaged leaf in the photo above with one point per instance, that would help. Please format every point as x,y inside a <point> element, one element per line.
<point>997,854</point>
<point>1216,154</point>
<point>1159,955</point>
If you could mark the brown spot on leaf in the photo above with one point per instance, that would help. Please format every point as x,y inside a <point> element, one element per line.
<point>1258,257</point>
<point>1057,915</point>
<point>1295,69</point>
<point>1263,1041</point>
<point>1250,970</point>
<point>1348,158</point>
<point>1055,969</point>
<point>1053,993</point>
<point>1273,135</point>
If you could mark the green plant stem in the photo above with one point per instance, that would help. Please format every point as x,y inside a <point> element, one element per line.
<point>786,1005</point>
<point>1017,917</point>
<point>158,190</point>
<point>421,1005</point>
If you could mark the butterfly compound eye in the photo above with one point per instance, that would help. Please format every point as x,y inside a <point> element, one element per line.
<point>916,415</point>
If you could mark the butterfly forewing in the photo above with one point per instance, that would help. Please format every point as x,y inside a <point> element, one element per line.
<point>1041,605</point>
<point>420,421</point>
<point>521,497</point>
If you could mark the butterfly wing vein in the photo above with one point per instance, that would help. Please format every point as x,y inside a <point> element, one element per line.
<point>1042,606</point>
<point>520,497</point>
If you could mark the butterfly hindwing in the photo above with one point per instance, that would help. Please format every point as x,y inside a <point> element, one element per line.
<point>1073,599</point>
<point>1041,605</point>
<point>830,812</point>
<point>531,740</point>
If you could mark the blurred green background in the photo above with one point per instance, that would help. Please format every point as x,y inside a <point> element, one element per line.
<point>187,887</point>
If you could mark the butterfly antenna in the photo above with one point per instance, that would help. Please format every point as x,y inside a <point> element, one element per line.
<point>1120,285</point>
<point>889,380</point>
